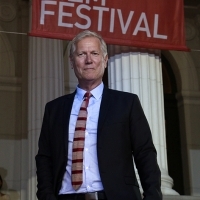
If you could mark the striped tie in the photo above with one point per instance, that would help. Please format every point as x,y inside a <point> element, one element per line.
<point>78,144</point>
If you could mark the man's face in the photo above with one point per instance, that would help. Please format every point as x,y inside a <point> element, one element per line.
<point>88,61</point>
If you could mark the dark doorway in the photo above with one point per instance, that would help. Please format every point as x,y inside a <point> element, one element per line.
<point>172,127</point>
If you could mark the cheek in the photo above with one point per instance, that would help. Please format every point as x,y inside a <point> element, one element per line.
<point>78,65</point>
<point>77,69</point>
<point>101,69</point>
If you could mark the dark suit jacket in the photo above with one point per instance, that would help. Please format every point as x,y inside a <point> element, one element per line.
<point>122,132</point>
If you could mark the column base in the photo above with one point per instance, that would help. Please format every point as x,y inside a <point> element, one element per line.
<point>167,184</point>
<point>169,191</point>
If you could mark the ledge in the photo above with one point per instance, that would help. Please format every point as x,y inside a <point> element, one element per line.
<point>177,197</point>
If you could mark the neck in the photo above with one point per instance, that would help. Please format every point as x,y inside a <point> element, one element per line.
<point>88,86</point>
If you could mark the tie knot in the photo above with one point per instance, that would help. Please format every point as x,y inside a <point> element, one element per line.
<point>87,95</point>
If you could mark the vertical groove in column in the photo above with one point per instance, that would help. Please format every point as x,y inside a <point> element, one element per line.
<point>135,72</point>
<point>152,97</point>
<point>125,65</point>
<point>144,82</point>
<point>111,73</point>
<point>118,72</point>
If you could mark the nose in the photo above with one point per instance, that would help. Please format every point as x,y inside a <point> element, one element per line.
<point>88,58</point>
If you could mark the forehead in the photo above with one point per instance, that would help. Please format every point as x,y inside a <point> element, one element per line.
<point>91,43</point>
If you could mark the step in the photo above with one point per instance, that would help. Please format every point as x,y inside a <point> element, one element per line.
<point>182,197</point>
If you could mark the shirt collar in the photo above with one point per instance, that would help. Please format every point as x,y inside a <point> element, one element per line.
<point>96,92</point>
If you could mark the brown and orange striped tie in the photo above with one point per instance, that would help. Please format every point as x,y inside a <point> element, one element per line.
<point>78,144</point>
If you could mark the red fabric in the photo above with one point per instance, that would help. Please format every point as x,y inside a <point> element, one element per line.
<point>147,24</point>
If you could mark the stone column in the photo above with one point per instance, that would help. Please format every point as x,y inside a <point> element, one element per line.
<point>46,82</point>
<point>139,71</point>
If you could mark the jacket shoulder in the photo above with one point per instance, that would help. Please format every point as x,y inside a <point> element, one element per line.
<point>122,93</point>
<point>60,99</point>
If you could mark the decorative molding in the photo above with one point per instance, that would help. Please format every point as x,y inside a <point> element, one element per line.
<point>7,12</point>
<point>188,98</point>
<point>9,65</point>
<point>197,21</point>
<point>190,31</point>
<point>10,84</point>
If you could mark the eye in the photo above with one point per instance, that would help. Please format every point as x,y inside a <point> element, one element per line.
<point>81,54</point>
<point>94,53</point>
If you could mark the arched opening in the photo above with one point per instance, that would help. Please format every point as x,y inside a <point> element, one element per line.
<point>7,68</point>
<point>172,127</point>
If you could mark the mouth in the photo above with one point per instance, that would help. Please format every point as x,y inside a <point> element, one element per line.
<point>89,68</point>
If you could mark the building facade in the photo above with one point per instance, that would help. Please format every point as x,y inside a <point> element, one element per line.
<point>34,71</point>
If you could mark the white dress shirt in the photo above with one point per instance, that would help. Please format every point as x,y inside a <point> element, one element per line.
<point>91,178</point>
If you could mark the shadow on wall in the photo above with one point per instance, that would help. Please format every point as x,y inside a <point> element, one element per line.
<point>5,192</point>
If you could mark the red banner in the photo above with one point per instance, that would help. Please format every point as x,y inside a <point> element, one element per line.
<point>141,23</point>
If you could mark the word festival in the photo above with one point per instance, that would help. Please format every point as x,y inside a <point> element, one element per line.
<point>99,16</point>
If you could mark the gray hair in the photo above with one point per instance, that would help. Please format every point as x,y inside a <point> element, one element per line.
<point>83,35</point>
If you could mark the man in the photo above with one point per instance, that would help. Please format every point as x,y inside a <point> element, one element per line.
<point>116,131</point>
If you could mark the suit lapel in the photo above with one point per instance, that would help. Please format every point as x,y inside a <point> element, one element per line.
<point>66,116</point>
<point>105,103</point>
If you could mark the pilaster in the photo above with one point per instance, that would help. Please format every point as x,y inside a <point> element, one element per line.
<point>46,82</point>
